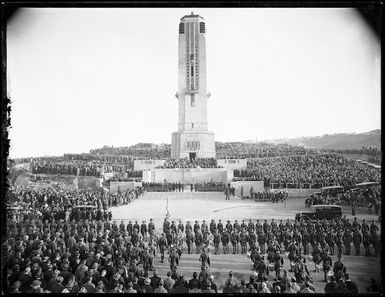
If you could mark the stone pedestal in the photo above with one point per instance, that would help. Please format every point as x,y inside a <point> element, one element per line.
<point>189,144</point>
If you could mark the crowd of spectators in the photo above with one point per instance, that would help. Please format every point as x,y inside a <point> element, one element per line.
<point>187,163</point>
<point>81,167</point>
<point>137,151</point>
<point>325,169</point>
<point>54,203</point>
<point>241,150</point>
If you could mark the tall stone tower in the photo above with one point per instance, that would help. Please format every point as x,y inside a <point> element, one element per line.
<point>193,138</point>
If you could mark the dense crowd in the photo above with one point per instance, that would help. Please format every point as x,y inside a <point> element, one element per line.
<point>78,167</point>
<point>103,256</point>
<point>241,150</point>
<point>48,203</point>
<point>187,163</point>
<point>325,169</point>
<point>138,151</point>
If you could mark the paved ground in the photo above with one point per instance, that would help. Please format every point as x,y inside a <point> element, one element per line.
<point>205,205</point>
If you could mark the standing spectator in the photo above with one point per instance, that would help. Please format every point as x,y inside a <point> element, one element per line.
<point>351,286</point>
<point>330,287</point>
<point>169,282</point>
<point>160,288</point>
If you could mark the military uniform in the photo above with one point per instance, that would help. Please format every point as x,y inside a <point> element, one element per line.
<point>243,239</point>
<point>189,240</point>
<point>347,241</point>
<point>234,238</point>
<point>213,226</point>
<point>143,230</point>
<point>220,227</point>
<point>129,228</point>
<point>252,238</point>
<point>262,241</point>
<point>151,226</point>
<point>225,241</point>
<point>198,241</point>
<point>162,246</point>
<point>217,240</point>
<point>229,227</point>
<point>357,239</point>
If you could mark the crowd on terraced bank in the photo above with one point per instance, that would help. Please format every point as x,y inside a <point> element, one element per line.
<point>187,163</point>
<point>47,203</point>
<point>325,169</point>
<point>97,257</point>
<point>79,167</point>
<point>139,151</point>
<point>241,150</point>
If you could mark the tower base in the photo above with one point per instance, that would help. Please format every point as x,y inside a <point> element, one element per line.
<point>192,145</point>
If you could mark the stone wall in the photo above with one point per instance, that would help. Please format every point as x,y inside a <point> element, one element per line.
<point>147,164</point>
<point>257,187</point>
<point>123,186</point>
<point>188,175</point>
<point>232,163</point>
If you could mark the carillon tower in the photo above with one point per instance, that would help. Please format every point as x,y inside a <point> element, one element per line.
<point>193,138</point>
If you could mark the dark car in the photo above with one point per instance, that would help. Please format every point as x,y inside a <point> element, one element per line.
<point>320,212</point>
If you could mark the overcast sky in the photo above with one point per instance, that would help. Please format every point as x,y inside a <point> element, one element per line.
<point>84,78</point>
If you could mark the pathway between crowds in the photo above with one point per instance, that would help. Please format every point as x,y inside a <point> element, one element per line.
<point>212,205</point>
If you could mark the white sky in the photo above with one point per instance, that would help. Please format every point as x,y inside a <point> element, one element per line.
<point>84,78</point>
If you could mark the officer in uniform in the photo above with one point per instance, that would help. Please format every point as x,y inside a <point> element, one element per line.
<point>305,242</point>
<point>220,227</point>
<point>243,239</point>
<point>153,242</point>
<point>169,237</point>
<point>375,242</point>
<point>173,228</point>
<point>189,240</point>
<point>252,239</point>
<point>188,226</point>
<point>134,237</point>
<point>364,226</point>
<point>357,239</point>
<point>204,226</point>
<point>196,227</point>
<point>326,265</point>
<point>162,246</point>
<point>217,240</point>
<point>262,241</point>
<point>180,227</point>
<point>151,227</point>
<point>166,226</point>
<point>236,226</point>
<point>250,226</point>
<point>347,241</point>
<point>339,242</point>
<point>366,240</point>
<point>234,241</point>
<point>136,226</point>
<point>225,241</point>
<point>173,258</point>
<point>229,227</point>
<point>180,234</point>
<point>143,230</point>
<point>330,240</point>
<point>198,240</point>
<point>243,225</point>
<point>129,228</point>
<point>213,226</point>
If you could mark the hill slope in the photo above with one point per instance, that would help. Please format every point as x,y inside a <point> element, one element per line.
<point>336,141</point>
